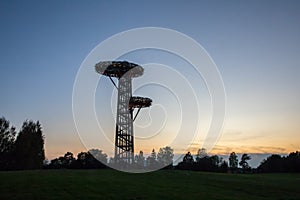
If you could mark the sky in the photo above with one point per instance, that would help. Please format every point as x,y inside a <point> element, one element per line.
<point>255,45</point>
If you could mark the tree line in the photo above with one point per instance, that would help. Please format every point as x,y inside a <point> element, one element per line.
<point>277,163</point>
<point>214,163</point>
<point>22,150</point>
<point>25,150</point>
<point>272,164</point>
<point>85,160</point>
<point>96,159</point>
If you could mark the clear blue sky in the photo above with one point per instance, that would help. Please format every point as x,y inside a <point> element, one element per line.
<point>255,44</point>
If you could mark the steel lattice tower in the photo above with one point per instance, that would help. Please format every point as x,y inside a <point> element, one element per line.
<point>124,138</point>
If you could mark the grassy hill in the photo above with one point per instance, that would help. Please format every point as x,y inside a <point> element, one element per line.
<point>110,184</point>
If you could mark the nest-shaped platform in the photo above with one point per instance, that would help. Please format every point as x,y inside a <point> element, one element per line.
<point>139,102</point>
<point>119,69</point>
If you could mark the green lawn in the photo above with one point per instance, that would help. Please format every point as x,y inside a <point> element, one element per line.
<point>110,184</point>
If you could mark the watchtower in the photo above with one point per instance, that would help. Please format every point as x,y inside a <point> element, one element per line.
<point>124,72</point>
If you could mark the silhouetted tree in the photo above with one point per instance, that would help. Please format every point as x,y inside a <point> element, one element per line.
<point>86,160</point>
<point>140,159</point>
<point>233,161</point>
<point>188,158</point>
<point>68,159</point>
<point>7,144</point>
<point>65,162</point>
<point>165,157</point>
<point>293,162</point>
<point>244,162</point>
<point>216,160</point>
<point>187,162</point>
<point>208,163</point>
<point>201,154</point>
<point>30,146</point>
<point>99,155</point>
<point>278,163</point>
<point>151,160</point>
<point>203,164</point>
<point>274,163</point>
<point>55,164</point>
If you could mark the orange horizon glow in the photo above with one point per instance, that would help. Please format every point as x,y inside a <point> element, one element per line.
<point>52,153</point>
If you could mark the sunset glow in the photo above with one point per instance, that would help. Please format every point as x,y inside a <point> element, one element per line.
<point>254,45</point>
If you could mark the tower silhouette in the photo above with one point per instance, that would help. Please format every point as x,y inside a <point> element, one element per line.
<point>124,138</point>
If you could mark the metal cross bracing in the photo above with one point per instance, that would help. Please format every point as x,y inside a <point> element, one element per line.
<point>124,144</point>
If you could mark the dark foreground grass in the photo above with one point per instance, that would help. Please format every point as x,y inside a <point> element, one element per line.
<point>110,184</point>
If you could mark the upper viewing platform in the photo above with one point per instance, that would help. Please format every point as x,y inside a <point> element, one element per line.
<point>119,68</point>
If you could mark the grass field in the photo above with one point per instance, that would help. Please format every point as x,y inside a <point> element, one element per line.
<point>110,184</point>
